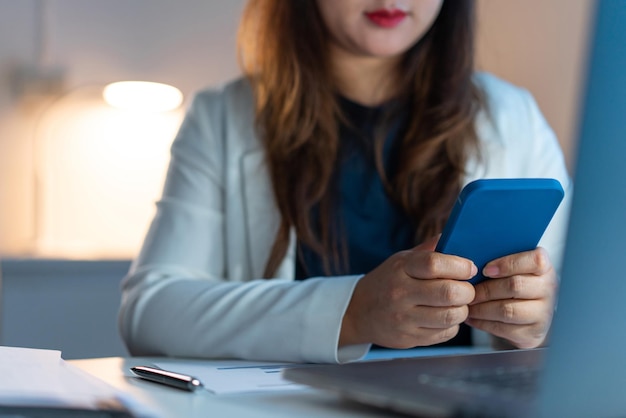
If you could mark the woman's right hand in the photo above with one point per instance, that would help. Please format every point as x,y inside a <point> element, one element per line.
<point>415,298</point>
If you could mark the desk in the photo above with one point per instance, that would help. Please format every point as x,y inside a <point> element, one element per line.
<point>174,403</point>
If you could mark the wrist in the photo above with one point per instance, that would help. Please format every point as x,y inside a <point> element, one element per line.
<point>348,334</point>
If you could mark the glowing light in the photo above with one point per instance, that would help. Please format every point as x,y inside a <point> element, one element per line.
<point>142,96</point>
<point>99,171</point>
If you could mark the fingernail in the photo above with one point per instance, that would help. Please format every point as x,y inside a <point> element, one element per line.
<point>473,270</point>
<point>491,271</point>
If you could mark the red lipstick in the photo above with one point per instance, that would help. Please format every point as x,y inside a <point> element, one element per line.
<point>386,18</point>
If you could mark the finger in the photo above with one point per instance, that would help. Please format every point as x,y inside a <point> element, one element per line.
<point>512,311</point>
<point>521,336</point>
<point>518,287</point>
<point>435,336</point>
<point>432,265</point>
<point>418,337</point>
<point>439,318</point>
<point>440,293</point>
<point>535,262</point>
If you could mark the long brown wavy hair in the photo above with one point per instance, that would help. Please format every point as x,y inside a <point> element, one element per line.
<point>284,53</point>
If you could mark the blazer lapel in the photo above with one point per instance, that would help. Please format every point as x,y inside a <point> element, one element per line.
<point>261,213</point>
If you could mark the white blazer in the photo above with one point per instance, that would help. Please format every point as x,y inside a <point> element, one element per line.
<point>195,288</point>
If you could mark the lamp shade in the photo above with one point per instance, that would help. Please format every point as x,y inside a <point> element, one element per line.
<point>143,95</point>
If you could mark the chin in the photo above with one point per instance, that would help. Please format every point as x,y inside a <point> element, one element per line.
<point>385,49</point>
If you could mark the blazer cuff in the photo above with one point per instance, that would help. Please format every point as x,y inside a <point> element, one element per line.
<point>323,322</point>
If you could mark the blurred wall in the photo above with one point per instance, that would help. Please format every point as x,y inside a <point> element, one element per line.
<point>187,43</point>
<point>538,44</point>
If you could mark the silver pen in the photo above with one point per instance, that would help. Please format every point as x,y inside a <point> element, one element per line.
<point>172,379</point>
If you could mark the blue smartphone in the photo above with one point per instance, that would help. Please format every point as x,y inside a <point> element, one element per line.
<point>496,217</point>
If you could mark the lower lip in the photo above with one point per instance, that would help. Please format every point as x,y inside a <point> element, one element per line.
<point>386,20</point>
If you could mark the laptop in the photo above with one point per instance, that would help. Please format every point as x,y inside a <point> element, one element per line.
<point>583,372</point>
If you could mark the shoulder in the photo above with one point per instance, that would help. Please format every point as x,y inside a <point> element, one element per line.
<point>218,126</point>
<point>515,139</point>
<point>494,87</point>
<point>502,98</point>
<point>220,114</point>
<point>509,111</point>
<point>235,94</point>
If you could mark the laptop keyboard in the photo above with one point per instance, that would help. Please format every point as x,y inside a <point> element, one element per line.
<point>517,381</point>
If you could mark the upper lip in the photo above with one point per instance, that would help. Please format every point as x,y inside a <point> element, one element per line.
<point>387,12</point>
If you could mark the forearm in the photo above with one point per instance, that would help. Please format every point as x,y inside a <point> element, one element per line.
<point>259,320</point>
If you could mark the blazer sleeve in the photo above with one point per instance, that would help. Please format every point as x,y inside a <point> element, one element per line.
<point>178,298</point>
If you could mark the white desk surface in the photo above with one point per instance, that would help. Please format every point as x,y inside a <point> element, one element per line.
<point>175,403</point>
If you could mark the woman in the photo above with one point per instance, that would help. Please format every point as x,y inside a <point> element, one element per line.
<point>358,123</point>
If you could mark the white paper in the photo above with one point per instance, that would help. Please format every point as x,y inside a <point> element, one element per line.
<point>41,378</point>
<point>235,376</point>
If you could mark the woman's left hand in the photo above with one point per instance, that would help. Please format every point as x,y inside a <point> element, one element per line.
<point>517,301</point>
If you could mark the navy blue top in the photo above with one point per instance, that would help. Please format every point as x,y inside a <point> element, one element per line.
<point>373,225</point>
